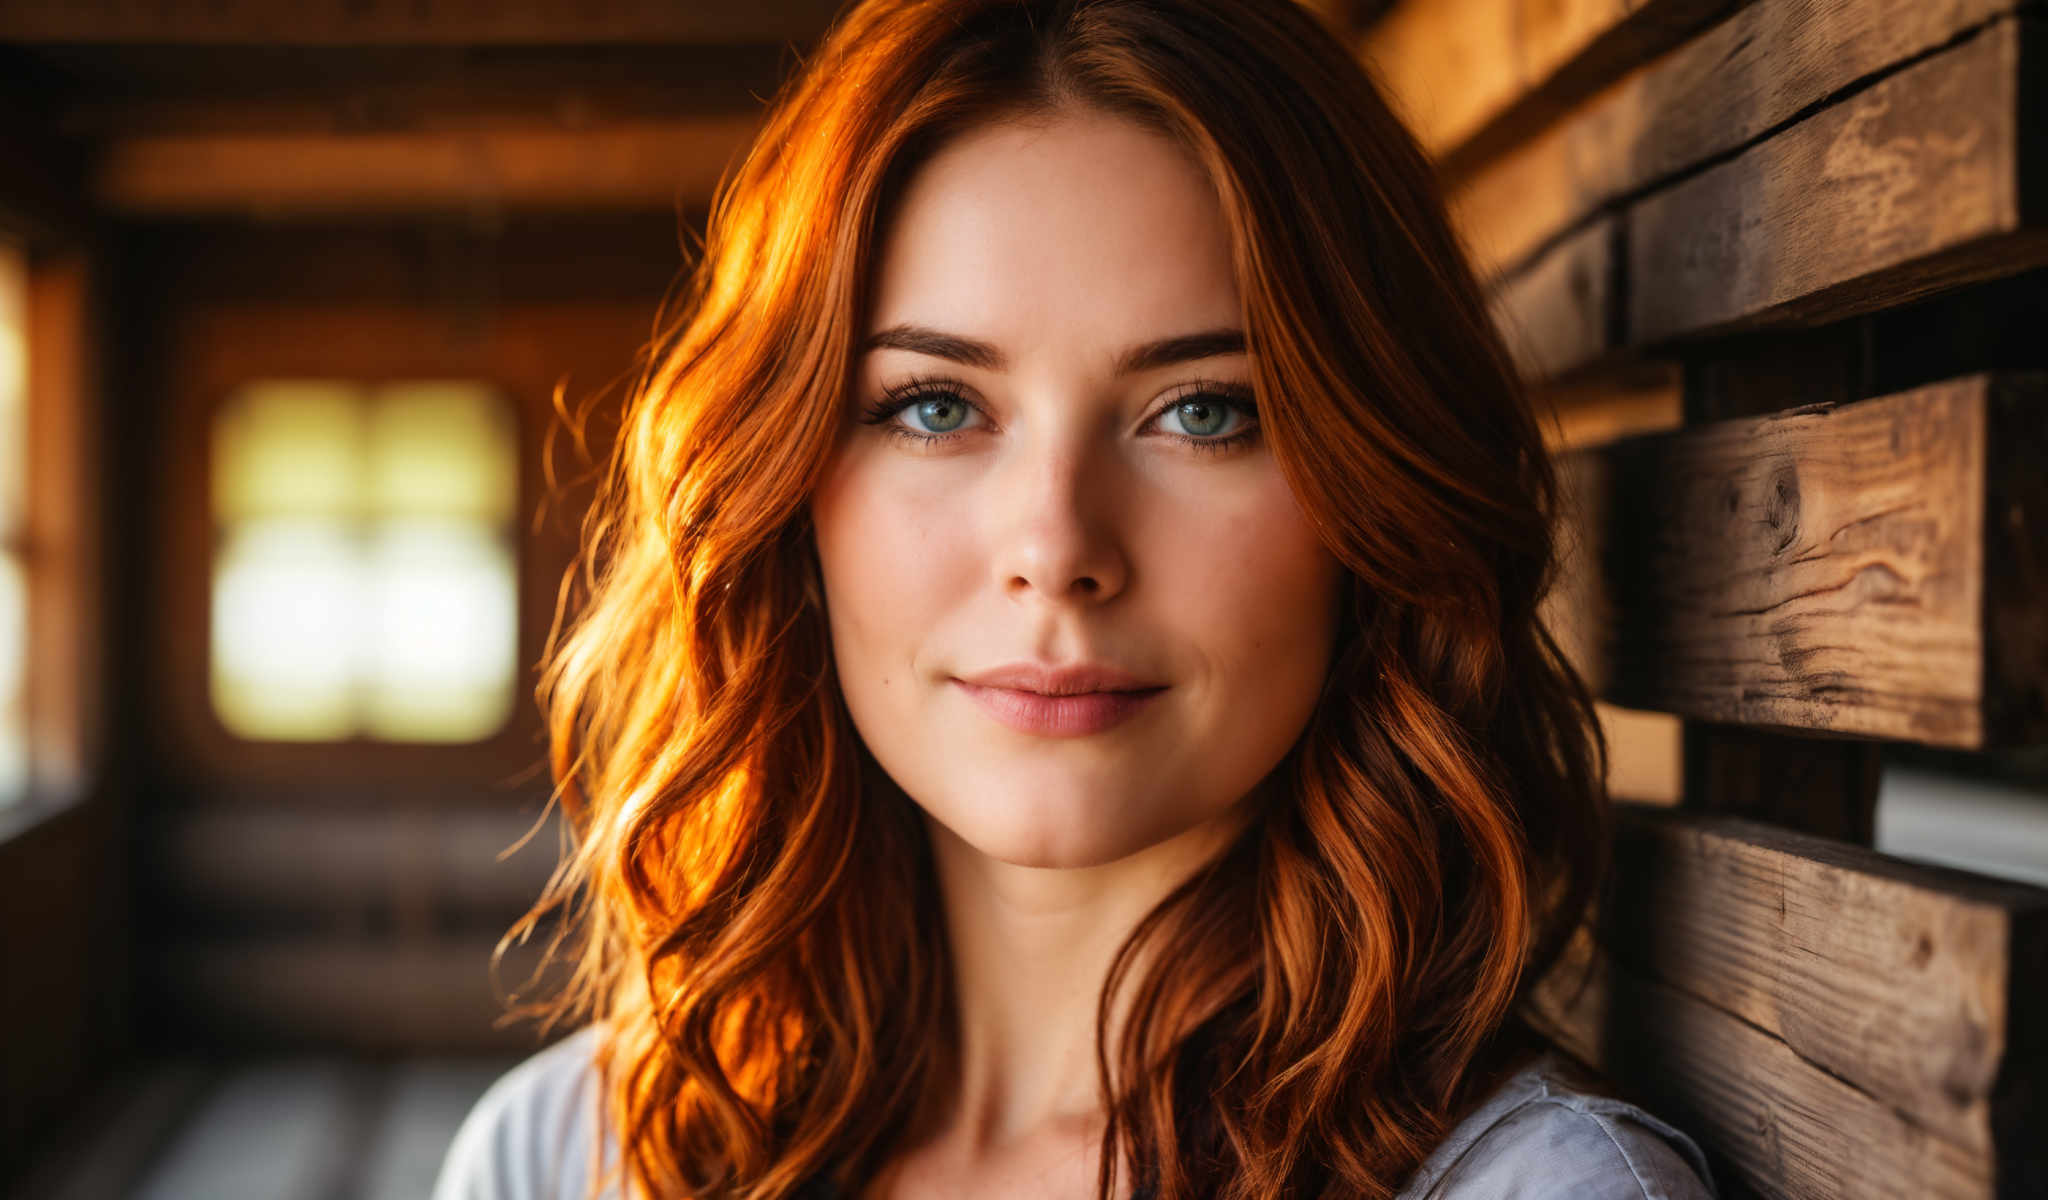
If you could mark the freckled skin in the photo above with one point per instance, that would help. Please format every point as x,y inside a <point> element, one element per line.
<point>1067,520</point>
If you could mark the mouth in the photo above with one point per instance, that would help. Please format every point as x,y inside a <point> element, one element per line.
<point>1077,714</point>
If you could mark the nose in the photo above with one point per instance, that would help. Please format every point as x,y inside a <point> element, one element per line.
<point>1058,534</point>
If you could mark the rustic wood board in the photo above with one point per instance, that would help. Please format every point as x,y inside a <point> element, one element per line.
<point>1723,90</point>
<point>1829,568</point>
<point>655,165</point>
<point>1561,313</point>
<point>1915,984</point>
<point>1907,187</point>
<point>1928,180</point>
<point>1787,1127</point>
<point>1456,69</point>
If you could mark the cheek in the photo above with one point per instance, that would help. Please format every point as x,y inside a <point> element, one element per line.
<point>890,558</point>
<point>1259,590</point>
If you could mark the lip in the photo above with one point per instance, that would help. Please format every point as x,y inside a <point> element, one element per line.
<point>1059,701</point>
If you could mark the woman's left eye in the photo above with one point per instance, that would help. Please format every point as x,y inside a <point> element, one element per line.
<point>1208,415</point>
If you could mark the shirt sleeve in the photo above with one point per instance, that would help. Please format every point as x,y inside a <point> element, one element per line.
<point>529,1136</point>
<point>1569,1149</point>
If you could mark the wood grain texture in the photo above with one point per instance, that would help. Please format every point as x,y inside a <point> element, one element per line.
<point>1562,313</point>
<point>1720,91</point>
<point>651,165</point>
<point>1917,985</point>
<point>1781,1126</point>
<point>1466,70</point>
<point>1928,180</point>
<point>1907,187</point>
<point>1825,569</point>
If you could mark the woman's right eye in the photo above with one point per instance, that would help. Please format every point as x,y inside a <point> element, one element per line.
<point>925,415</point>
<point>939,413</point>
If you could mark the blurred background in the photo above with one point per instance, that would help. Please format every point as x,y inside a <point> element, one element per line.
<point>290,297</point>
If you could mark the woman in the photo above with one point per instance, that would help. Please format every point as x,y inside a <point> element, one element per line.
<point>1058,708</point>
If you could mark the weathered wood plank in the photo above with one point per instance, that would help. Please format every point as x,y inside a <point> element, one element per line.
<point>1910,186</point>
<point>654,165</point>
<point>1915,984</point>
<point>1930,179</point>
<point>1456,68</point>
<point>1830,568</point>
<point>1722,90</point>
<point>1564,311</point>
<point>1786,1127</point>
<point>1584,416</point>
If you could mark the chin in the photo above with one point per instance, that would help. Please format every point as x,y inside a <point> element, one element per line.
<point>1070,833</point>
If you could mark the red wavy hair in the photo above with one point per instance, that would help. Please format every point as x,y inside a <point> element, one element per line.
<point>756,923</point>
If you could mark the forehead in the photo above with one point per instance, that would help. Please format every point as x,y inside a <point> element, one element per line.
<point>1086,227</point>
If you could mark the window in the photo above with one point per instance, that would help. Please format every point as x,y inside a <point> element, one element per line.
<point>14,766</point>
<point>364,581</point>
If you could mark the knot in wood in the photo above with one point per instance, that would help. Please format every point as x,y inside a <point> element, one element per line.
<point>1781,506</point>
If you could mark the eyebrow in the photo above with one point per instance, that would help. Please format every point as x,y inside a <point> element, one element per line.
<point>1144,356</point>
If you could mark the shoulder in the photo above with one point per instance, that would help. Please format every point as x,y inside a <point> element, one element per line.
<point>531,1135</point>
<point>1541,1136</point>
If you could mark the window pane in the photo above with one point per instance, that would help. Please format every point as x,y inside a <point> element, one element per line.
<point>13,489</point>
<point>443,636</point>
<point>13,645</point>
<point>13,387</point>
<point>366,584</point>
<point>442,450</point>
<point>287,630</point>
<point>290,449</point>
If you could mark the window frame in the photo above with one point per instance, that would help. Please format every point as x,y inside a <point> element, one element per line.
<point>366,390</point>
<point>58,540</point>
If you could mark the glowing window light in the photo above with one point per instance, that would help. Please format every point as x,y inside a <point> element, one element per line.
<point>290,449</point>
<point>13,647</point>
<point>366,584</point>
<point>287,630</point>
<point>443,632</point>
<point>14,766</point>
<point>442,450</point>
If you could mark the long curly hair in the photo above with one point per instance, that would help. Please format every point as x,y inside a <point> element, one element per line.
<point>751,915</point>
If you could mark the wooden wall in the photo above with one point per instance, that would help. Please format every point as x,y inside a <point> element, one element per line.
<point>1798,246</point>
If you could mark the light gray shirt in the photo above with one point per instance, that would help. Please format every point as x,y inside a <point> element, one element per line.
<point>1535,1138</point>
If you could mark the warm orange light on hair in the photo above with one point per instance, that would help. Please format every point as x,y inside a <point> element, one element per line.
<point>757,926</point>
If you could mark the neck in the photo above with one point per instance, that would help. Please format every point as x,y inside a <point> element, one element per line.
<point>1032,948</point>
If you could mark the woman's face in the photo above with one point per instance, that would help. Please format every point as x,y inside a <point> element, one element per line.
<point>1057,305</point>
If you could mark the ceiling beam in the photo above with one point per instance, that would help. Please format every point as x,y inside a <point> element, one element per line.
<point>620,166</point>
<point>411,22</point>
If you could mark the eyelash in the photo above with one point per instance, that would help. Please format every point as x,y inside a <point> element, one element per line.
<point>898,397</point>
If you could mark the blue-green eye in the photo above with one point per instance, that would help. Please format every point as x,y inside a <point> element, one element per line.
<point>1203,416</point>
<point>941,414</point>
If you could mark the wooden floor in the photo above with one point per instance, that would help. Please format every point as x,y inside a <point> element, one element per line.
<point>283,1129</point>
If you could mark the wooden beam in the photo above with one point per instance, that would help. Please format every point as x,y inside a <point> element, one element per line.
<point>1782,1125</point>
<point>1563,313</point>
<point>1918,985</point>
<point>1872,569</point>
<point>1456,69</point>
<point>398,22</point>
<point>1819,785</point>
<point>1724,90</point>
<point>1927,180</point>
<point>652,165</point>
<point>1911,186</point>
<point>101,93</point>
